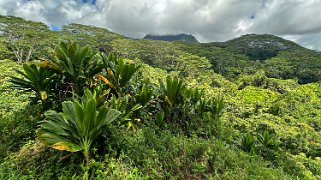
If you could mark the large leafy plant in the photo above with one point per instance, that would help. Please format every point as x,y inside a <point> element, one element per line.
<point>78,66</point>
<point>268,139</point>
<point>144,96</point>
<point>77,126</point>
<point>34,79</point>
<point>213,109</point>
<point>216,107</point>
<point>119,72</point>
<point>192,98</point>
<point>247,143</point>
<point>172,90</point>
<point>127,110</point>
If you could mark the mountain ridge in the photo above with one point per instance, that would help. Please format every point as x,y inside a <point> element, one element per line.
<point>172,37</point>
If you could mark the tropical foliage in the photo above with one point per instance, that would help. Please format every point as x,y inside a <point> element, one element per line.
<point>77,126</point>
<point>119,72</point>
<point>248,108</point>
<point>77,65</point>
<point>34,79</point>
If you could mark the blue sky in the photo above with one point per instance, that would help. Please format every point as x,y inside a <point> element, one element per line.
<point>93,2</point>
<point>208,20</point>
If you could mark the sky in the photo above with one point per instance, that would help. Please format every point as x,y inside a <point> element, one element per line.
<point>207,20</point>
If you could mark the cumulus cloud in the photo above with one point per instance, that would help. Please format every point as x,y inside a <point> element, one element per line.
<point>57,12</point>
<point>289,18</point>
<point>208,20</point>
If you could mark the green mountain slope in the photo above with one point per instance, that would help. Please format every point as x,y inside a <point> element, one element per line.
<point>278,57</point>
<point>260,47</point>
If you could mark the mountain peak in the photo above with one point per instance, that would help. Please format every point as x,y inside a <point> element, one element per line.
<point>176,37</point>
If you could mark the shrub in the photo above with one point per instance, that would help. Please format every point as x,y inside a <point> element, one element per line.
<point>77,127</point>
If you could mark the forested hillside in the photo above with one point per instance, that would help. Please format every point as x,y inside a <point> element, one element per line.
<point>86,103</point>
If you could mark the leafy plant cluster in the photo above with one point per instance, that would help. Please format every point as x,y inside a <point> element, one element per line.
<point>96,90</point>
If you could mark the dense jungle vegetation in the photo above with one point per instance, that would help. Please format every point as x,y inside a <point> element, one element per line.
<point>87,103</point>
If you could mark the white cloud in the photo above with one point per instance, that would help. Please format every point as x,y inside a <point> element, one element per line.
<point>289,17</point>
<point>208,20</point>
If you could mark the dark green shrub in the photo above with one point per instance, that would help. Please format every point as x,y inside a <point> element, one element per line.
<point>247,142</point>
<point>267,139</point>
